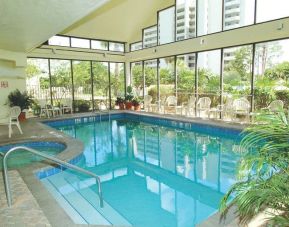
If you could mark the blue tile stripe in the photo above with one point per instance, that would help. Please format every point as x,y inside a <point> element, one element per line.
<point>51,171</point>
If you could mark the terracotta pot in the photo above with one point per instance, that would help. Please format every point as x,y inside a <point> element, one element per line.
<point>121,106</point>
<point>137,108</point>
<point>22,117</point>
<point>128,105</point>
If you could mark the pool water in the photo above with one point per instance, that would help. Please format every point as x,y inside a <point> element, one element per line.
<point>151,175</point>
<point>21,158</point>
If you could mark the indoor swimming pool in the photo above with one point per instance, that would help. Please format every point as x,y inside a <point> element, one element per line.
<point>154,172</point>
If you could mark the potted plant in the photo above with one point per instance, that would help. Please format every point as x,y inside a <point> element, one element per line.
<point>21,99</point>
<point>128,98</point>
<point>120,103</point>
<point>136,104</point>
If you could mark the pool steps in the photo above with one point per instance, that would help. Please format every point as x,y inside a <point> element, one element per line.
<point>75,192</point>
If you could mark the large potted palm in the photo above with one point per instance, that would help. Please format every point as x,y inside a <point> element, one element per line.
<point>21,99</point>
<point>263,187</point>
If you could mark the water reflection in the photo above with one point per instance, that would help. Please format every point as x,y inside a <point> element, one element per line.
<point>153,174</point>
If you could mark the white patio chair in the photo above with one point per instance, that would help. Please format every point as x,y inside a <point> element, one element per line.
<point>275,106</point>
<point>241,107</point>
<point>189,107</point>
<point>203,105</point>
<point>171,105</point>
<point>148,103</point>
<point>67,105</point>
<point>44,108</point>
<point>12,119</point>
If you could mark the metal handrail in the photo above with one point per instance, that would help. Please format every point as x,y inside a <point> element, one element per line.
<point>55,160</point>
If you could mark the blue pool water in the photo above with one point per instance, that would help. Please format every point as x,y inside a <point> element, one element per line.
<point>22,157</point>
<point>152,174</point>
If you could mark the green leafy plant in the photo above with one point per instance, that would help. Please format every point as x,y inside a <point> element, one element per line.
<point>119,100</point>
<point>136,101</point>
<point>129,95</point>
<point>21,99</point>
<point>81,105</point>
<point>263,173</point>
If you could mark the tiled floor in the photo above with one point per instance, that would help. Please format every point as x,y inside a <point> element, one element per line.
<point>25,210</point>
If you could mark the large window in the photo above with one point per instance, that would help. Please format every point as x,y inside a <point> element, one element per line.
<point>237,72</point>
<point>100,85</point>
<point>37,79</point>
<point>167,77</point>
<point>136,46</point>
<point>82,86</point>
<point>81,43</point>
<point>209,16</point>
<point>61,81</point>
<point>271,72</point>
<point>59,41</point>
<point>118,47</point>
<point>166,26</point>
<point>185,19</point>
<point>150,37</point>
<point>238,13</point>
<point>117,81</point>
<point>185,77</point>
<point>272,9</point>
<point>151,80</point>
<point>99,45</point>
<point>137,79</point>
<point>209,69</point>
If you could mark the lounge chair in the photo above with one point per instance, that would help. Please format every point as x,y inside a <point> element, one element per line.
<point>241,107</point>
<point>171,105</point>
<point>148,103</point>
<point>189,107</point>
<point>12,119</point>
<point>203,105</point>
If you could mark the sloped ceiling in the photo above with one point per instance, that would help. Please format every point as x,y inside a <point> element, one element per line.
<point>25,24</point>
<point>120,20</point>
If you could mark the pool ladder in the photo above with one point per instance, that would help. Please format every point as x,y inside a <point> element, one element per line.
<point>52,159</point>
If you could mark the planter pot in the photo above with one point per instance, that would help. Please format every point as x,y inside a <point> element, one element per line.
<point>128,105</point>
<point>137,108</point>
<point>22,117</point>
<point>121,106</point>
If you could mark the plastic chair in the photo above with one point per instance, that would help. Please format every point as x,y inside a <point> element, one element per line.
<point>44,109</point>
<point>189,106</point>
<point>203,104</point>
<point>147,102</point>
<point>276,106</point>
<point>12,120</point>
<point>171,104</point>
<point>241,107</point>
<point>67,105</point>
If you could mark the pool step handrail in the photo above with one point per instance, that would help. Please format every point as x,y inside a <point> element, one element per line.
<point>52,159</point>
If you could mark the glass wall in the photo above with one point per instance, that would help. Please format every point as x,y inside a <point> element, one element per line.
<point>100,85</point>
<point>85,43</point>
<point>99,45</point>
<point>85,85</point>
<point>137,79</point>
<point>150,37</point>
<point>136,46</point>
<point>271,72</point>
<point>209,69</point>
<point>81,43</point>
<point>237,73</point>
<point>117,81</point>
<point>151,79</point>
<point>238,13</point>
<point>82,86</point>
<point>61,81</point>
<point>185,77</point>
<point>166,20</point>
<point>209,16</point>
<point>272,9</point>
<point>167,77</point>
<point>185,19</point>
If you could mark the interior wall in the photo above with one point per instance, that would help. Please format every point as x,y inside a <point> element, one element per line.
<point>11,78</point>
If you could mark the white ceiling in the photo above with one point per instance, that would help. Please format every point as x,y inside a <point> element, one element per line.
<point>120,20</point>
<point>25,24</point>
